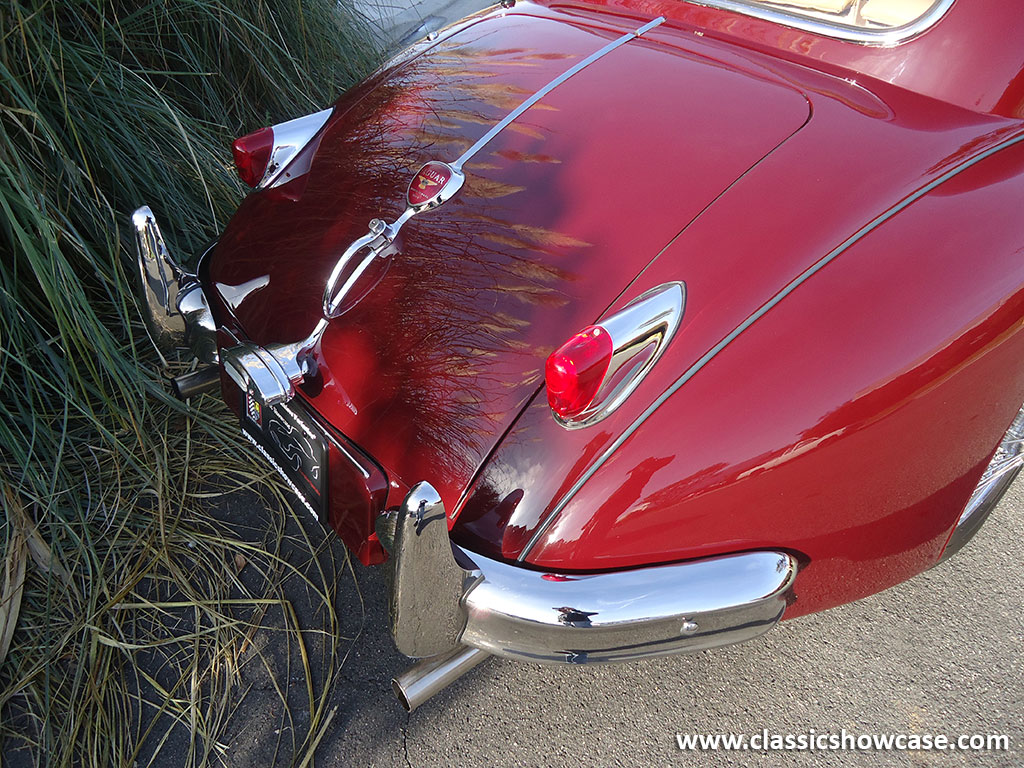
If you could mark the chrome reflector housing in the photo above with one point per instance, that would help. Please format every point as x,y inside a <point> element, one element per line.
<point>640,333</point>
<point>289,139</point>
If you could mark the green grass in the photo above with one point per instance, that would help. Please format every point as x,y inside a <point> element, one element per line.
<point>103,477</point>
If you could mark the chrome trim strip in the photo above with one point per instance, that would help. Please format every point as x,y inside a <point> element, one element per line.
<point>530,101</point>
<point>771,303</point>
<point>879,37</point>
<point>625,615</point>
<point>381,234</point>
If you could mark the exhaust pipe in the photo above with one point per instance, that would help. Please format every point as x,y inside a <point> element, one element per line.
<point>188,385</point>
<point>428,676</point>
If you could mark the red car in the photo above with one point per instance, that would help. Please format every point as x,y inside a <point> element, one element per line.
<point>625,328</point>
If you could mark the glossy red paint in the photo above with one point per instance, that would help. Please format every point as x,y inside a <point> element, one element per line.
<point>969,58</point>
<point>824,429</point>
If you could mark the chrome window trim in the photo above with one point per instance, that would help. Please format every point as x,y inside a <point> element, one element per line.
<point>879,37</point>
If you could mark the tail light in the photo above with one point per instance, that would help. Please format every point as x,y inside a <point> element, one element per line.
<point>252,155</point>
<point>269,157</point>
<point>594,372</point>
<point>575,370</point>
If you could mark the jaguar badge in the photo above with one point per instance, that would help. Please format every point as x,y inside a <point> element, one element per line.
<point>433,184</point>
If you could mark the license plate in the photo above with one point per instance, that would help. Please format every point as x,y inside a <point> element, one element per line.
<point>293,444</point>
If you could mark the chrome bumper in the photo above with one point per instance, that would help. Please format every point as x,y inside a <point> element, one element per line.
<point>171,299</point>
<point>444,596</point>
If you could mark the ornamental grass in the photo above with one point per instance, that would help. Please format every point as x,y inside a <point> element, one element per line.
<point>132,596</point>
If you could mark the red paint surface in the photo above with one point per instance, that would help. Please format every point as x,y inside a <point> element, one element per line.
<point>848,425</point>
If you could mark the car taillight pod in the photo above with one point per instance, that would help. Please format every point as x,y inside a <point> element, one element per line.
<point>272,156</point>
<point>575,370</point>
<point>252,154</point>
<point>593,373</point>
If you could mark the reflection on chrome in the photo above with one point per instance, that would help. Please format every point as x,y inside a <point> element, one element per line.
<point>871,22</point>
<point>171,299</point>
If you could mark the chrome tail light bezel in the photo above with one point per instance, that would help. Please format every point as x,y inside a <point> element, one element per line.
<point>640,333</point>
<point>289,139</point>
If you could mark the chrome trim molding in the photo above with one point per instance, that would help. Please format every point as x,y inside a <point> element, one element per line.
<point>1000,473</point>
<point>444,596</point>
<point>172,302</point>
<point>289,139</point>
<point>533,99</point>
<point>879,37</point>
<point>640,333</point>
<point>799,280</point>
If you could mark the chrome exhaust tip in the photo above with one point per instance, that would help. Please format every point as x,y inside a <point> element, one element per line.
<point>428,676</point>
<point>205,379</point>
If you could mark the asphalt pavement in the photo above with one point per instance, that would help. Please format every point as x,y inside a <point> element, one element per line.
<point>940,654</point>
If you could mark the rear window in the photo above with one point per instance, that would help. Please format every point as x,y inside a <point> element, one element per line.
<point>867,14</point>
<point>884,21</point>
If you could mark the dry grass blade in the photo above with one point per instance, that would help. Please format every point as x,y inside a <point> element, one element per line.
<point>15,560</point>
<point>41,553</point>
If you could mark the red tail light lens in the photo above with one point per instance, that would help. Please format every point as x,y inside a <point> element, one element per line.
<point>252,153</point>
<point>575,370</point>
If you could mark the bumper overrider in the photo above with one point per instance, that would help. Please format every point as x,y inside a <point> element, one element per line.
<point>452,608</point>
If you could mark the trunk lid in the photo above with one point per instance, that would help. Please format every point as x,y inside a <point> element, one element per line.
<point>558,214</point>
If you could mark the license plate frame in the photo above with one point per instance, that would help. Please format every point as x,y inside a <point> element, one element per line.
<point>293,444</point>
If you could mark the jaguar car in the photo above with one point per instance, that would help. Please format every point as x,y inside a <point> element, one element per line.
<point>626,328</point>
